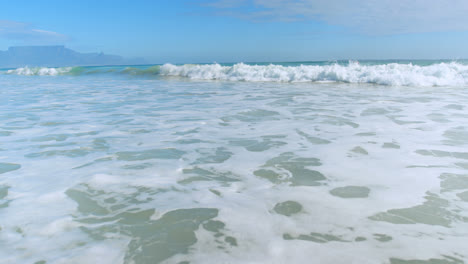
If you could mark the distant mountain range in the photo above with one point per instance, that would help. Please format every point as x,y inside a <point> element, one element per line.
<point>58,56</point>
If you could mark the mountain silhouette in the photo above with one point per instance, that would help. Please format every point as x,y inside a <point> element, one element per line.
<point>58,56</point>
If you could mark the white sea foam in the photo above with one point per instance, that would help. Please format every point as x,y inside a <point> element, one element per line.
<point>40,71</point>
<point>114,170</point>
<point>441,74</point>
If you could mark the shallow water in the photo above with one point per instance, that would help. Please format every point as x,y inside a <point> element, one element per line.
<point>106,169</point>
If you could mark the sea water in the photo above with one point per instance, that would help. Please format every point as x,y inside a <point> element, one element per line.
<point>246,163</point>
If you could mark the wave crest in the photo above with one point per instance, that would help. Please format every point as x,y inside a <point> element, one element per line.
<point>440,74</point>
<point>43,71</point>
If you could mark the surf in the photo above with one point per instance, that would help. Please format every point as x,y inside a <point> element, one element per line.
<point>453,73</point>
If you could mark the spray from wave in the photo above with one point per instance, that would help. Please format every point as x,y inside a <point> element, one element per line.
<point>396,74</point>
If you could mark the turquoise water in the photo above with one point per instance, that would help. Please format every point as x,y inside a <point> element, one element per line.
<point>205,164</point>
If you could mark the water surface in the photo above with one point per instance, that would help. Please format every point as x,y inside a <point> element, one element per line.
<point>121,169</point>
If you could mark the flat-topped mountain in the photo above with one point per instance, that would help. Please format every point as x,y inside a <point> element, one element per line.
<point>57,56</point>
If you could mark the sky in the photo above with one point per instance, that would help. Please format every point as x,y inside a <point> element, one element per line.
<point>190,31</point>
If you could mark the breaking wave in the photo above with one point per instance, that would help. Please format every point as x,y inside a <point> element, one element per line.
<point>43,71</point>
<point>397,74</point>
<point>441,74</point>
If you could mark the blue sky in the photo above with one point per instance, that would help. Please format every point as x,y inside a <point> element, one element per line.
<point>184,31</point>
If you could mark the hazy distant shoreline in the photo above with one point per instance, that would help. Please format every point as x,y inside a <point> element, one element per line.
<point>58,56</point>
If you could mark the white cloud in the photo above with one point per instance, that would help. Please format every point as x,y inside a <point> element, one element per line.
<point>366,16</point>
<point>26,32</point>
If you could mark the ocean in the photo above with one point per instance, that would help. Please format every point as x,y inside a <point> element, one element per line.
<point>308,162</point>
